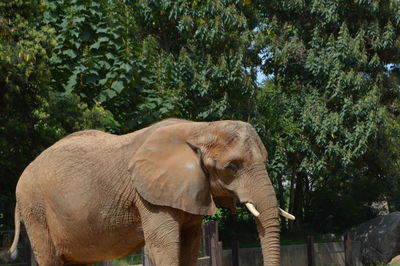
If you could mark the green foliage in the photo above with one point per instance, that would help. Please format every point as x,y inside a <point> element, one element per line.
<point>331,84</point>
<point>149,60</point>
<point>23,80</point>
<point>32,114</point>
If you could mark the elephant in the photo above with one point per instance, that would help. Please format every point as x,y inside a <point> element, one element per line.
<point>94,196</point>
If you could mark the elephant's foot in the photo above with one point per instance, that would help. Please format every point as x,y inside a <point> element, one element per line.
<point>164,256</point>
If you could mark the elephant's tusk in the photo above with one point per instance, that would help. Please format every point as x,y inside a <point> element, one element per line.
<point>286,214</point>
<point>252,209</point>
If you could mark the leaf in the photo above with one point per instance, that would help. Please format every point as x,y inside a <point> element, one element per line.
<point>96,46</point>
<point>103,39</point>
<point>78,19</point>
<point>110,93</point>
<point>70,53</point>
<point>117,86</point>
<point>127,67</point>
<point>102,97</point>
<point>110,56</point>
<point>102,30</point>
<point>70,84</point>
<point>103,81</point>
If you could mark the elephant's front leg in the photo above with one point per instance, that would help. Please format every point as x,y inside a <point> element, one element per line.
<point>162,243</point>
<point>161,228</point>
<point>190,242</point>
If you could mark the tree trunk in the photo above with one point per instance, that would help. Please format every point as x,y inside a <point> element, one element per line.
<point>281,201</point>
<point>298,200</point>
<point>293,162</point>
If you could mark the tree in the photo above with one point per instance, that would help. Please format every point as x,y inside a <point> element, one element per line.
<point>23,79</point>
<point>32,115</point>
<point>330,64</point>
<point>149,60</point>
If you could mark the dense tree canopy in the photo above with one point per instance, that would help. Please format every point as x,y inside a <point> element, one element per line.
<point>328,109</point>
<point>334,89</point>
<point>147,60</point>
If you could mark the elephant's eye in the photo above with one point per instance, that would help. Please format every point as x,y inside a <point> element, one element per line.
<point>233,166</point>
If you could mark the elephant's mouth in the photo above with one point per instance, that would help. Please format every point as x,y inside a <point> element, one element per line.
<point>250,206</point>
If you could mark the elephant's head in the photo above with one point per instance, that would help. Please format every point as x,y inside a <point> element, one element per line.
<point>186,165</point>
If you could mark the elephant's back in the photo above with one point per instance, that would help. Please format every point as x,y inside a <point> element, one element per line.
<point>63,175</point>
<point>52,162</point>
<point>81,142</point>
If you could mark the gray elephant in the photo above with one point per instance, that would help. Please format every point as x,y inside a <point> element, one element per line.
<point>94,196</point>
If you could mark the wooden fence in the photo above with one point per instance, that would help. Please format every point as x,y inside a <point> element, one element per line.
<point>25,256</point>
<point>211,245</point>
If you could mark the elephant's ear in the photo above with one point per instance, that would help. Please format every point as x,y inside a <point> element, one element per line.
<point>168,171</point>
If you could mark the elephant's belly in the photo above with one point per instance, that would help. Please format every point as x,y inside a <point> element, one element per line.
<point>105,246</point>
<point>95,237</point>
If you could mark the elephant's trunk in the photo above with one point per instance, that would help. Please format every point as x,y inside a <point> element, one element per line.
<point>264,198</point>
<point>268,230</point>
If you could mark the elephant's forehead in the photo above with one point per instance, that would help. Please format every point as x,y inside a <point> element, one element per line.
<point>254,154</point>
<point>250,145</point>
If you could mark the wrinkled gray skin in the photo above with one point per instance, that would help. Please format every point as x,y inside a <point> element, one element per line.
<point>94,196</point>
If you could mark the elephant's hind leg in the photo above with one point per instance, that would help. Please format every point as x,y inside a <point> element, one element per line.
<point>42,245</point>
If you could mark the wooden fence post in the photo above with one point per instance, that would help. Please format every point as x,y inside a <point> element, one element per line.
<point>205,240</point>
<point>220,254</point>
<point>26,247</point>
<point>235,253</point>
<point>348,250</point>
<point>310,251</point>
<point>213,236</point>
<point>212,245</point>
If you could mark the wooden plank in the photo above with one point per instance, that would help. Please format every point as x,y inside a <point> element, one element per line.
<point>212,232</point>
<point>213,248</point>
<point>348,250</point>
<point>220,256</point>
<point>310,251</point>
<point>26,247</point>
<point>206,239</point>
<point>235,253</point>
